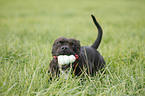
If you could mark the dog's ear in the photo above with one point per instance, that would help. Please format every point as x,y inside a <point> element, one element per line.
<point>78,41</point>
<point>78,44</point>
<point>53,52</point>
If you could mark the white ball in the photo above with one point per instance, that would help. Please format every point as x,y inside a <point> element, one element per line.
<point>64,59</point>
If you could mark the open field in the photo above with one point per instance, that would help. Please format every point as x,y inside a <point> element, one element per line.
<point>29,27</point>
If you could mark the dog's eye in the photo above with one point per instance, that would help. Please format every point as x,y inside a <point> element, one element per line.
<point>57,43</point>
<point>74,45</point>
<point>60,42</point>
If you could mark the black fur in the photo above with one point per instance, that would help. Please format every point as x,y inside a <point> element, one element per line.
<point>90,60</point>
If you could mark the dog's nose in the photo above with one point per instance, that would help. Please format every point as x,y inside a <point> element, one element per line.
<point>64,47</point>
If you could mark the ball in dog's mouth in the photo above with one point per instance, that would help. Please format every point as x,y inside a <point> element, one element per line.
<point>65,59</point>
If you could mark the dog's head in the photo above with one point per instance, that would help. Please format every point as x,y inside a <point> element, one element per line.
<point>66,46</point>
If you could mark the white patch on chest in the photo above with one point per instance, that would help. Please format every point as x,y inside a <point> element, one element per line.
<point>66,73</point>
<point>65,60</point>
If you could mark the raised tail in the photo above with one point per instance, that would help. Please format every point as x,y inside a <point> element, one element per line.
<point>100,32</point>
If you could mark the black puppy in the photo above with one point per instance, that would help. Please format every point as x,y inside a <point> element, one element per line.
<point>88,60</point>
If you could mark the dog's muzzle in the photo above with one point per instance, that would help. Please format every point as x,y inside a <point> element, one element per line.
<point>65,66</point>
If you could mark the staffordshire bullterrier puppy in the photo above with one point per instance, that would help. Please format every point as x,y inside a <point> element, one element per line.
<point>83,59</point>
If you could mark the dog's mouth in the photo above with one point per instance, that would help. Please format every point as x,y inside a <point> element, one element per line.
<point>66,61</point>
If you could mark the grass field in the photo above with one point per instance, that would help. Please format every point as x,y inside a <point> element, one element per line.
<point>29,27</point>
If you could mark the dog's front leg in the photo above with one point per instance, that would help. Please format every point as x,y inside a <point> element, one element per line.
<point>53,69</point>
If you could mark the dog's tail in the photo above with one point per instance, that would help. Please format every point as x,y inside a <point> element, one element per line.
<point>100,32</point>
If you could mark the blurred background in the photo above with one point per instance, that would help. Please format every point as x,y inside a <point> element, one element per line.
<point>28,29</point>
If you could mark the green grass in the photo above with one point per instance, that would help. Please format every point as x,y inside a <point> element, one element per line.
<point>29,27</point>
